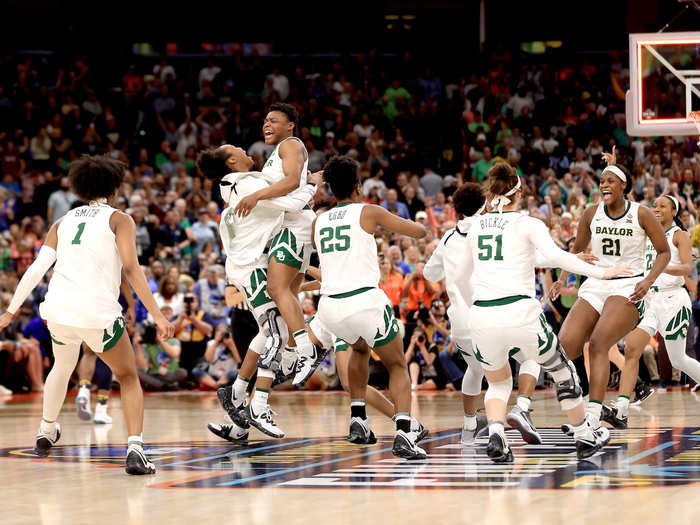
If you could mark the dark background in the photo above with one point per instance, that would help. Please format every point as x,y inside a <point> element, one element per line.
<point>350,26</point>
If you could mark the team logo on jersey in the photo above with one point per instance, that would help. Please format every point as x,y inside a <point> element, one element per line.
<point>635,458</point>
<point>230,218</point>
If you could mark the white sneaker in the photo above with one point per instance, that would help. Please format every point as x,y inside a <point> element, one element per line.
<point>46,440</point>
<point>288,367</point>
<point>136,461</point>
<point>307,363</point>
<point>264,422</point>
<point>4,391</point>
<point>101,415</point>
<point>82,404</point>
<point>405,446</point>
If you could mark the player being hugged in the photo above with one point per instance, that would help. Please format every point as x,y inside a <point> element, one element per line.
<point>605,312</point>
<point>507,315</point>
<point>90,245</point>
<point>352,305</point>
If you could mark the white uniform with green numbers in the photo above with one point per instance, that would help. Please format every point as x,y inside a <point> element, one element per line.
<point>506,316</point>
<point>668,308</point>
<point>292,245</point>
<point>616,241</point>
<point>245,239</point>
<point>352,305</point>
<point>82,302</point>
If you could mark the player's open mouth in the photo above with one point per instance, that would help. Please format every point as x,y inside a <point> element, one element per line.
<point>658,216</point>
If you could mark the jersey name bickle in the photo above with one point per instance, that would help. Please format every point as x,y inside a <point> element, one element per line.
<point>623,232</point>
<point>493,222</point>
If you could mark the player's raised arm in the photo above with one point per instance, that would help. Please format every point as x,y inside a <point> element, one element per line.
<point>373,216</point>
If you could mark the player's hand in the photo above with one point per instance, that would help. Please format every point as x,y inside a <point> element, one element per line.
<point>640,291</point>
<point>130,316</point>
<point>315,178</point>
<point>618,271</point>
<point>165,329</point>
<point>587,257</point>
<point>610,158</point>
<point>245,205</point>
<point>555,289</point>
<point>5,320</point>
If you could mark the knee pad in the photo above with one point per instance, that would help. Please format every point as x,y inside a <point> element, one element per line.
<point>531,368</point>
<point>499,390</point>
<point>275,331</point>
<point>564,374</point>
<point>471,382</point>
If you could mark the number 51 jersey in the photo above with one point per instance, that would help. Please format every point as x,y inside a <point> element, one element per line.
<point>347,253</point>
<point>619,241</point>
<point>84,289</point>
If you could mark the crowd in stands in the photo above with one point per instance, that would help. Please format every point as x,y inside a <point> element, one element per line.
<point>418,134</point>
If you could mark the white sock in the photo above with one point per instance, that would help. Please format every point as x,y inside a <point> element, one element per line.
<point>289,356</point>
<point>240,385</point>
<point>136,440</point>
<point>84,391</point>
<point>259,402</point>
<point>524,403</point>
<point>469,422</point>
<point>301,337</point>
<point>496,427</point>
<point>581,429</point>
<point>47,428</point>
<point>593,410</point>
<point>623,406</point>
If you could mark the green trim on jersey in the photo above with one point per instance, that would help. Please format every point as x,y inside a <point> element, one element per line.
<point>479,357</point>
<point>340,205</point>
<point>351,293</point>
<point>340,345</point>
<point>605,209</point>
<point>258,296</point>
<point>285,250</point>
<point>678,326</point>
<point>112,339</point>
<point>56,341</point>
<point>507,211</point>
<point>502,300</point>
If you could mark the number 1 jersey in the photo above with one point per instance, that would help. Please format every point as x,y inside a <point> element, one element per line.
<point>347,253</point>
<point>84,289</point>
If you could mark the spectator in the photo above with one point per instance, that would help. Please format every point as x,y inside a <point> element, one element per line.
<point>397,260</point>
<point>60,201</point>
<point>431,183</point>
<point>481,166</point>
<point>423,364</point>
<point>391,280</point>
<point>211,292</point>
<point>168,295</point>
<point>157,359</point>
<point>192,327</point>
<point>221,361</point>
<point>205,230</point>
<point>394,206</point>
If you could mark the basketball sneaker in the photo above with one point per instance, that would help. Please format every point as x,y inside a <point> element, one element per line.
<point>308,361</point>
<point>567,429</point>
<point>136,461</point>
<point>405,446</point>
<point>360,432</point>
<point>498,449</point>
<point>642,392</point>
<point>591,442</point>
<point>468,436</point>
<point>288,368</point>
<point>264,422</point>
<point>46,440</point>
<point>236,411</point>
<point>611,416</point>
<point>232,432</point>
<point>101,415</point>
<point>419,429</point>
<point>520,419</point>
<point>82,404</point>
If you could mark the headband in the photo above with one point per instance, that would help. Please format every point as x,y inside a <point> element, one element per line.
<point>675,202</point>
<point>617,172</point>
<point>503,200</point>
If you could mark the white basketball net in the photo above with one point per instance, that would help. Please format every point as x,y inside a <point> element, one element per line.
<point>694,117</point>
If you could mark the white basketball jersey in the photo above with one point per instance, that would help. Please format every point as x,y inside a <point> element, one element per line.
<point>666,281</point>
<point>273,167</point>
<point>347,253</point>
<point>84,289</point>
<point>504,259</point>
<point>620,241</point>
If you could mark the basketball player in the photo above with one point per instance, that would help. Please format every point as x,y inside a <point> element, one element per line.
<point>89,245</point>
<point>668,311</point>
<point>448,262</point>
<point>607,311</point>
<point>353,307</point>
<point>244,240</point>
<point>507,315</point>
<point>286,170</point>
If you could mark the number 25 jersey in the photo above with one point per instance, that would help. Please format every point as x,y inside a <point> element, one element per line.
<point>619,241</point>
<point>347,253</point>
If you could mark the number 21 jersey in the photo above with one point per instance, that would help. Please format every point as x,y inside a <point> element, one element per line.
<point>619,241</point>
